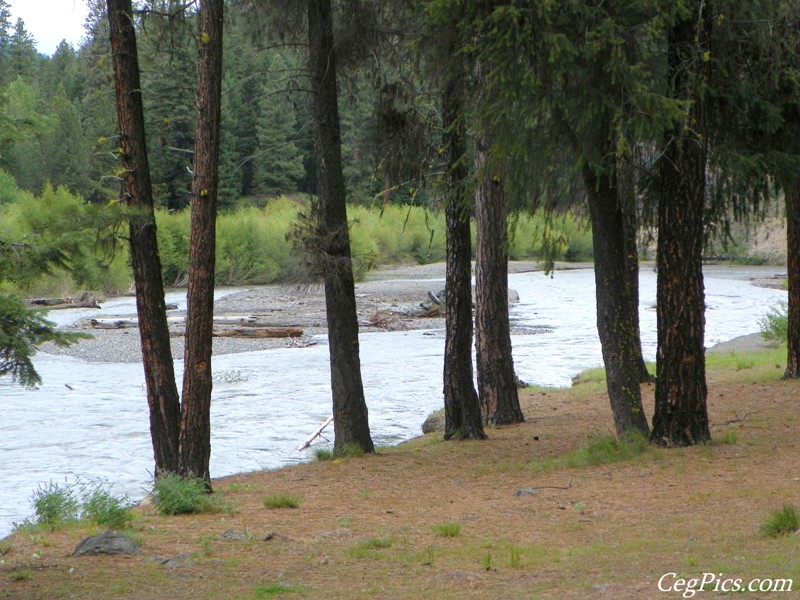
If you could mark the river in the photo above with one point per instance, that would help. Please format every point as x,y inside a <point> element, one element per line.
<point>266,403</point>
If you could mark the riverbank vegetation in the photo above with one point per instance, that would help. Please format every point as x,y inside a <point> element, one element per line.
<point>554,507</point>
<point>254,243</point>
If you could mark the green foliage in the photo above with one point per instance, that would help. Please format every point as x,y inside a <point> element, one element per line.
<point>103,508</point>
<point>276,588</point>
<point>775,324</point>
<point>607,449</point>
<point>550,237</point>
<point>781,521</point>
<point>176,495</point>
<point>281,501</point>
<point>447,529</point>
<point>55,505</point>
<point>350,451</point>
<point>22,331</point>
<point>21,574</point>
<point>729,437</point>
<point>323,454</point>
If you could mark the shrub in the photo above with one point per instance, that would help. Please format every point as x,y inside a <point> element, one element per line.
<point>176,495</point>
<point>781,521</point>
<point>55,505</point>
<point>102,508</point>
<point>775,324</point>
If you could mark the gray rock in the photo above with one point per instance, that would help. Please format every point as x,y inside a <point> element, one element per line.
<point>172,562</point>
<point>434,422</point>
<point>232,535</point>
<point>108,542</point>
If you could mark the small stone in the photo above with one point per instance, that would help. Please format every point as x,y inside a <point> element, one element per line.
<point>232,535</point>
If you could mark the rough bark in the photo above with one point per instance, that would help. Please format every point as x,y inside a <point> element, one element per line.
<point>793,273</point>
<point>195,435</point>
<point>617,304</point>
<point>681,415</point>
<point>461,405</point>
<point>350,418</point>
<point>162,392</point>
<point>626,191</point>
<point>497,381</point>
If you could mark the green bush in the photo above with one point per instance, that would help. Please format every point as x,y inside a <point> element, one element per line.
<point>105,509</point>
<point>775,324</point>
<point>176,495</point>
<point>55,505</point>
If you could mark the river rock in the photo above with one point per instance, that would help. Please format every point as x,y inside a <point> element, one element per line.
<point>434,422</point>
<point>108,542</point>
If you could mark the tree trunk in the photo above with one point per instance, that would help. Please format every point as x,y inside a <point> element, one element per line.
<point>793,273</point>
<point>626,191</point>
<point>195,436</point>
<point>350,418</point>
<point>162,391</point>
<point>497,382</point>
<point>617,304</point>
<point>681,415</point>
<point>461,406</point>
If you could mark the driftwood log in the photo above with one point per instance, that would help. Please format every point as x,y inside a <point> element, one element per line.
<point>259,332</point>
<point>62,303</point>
<point>128,323</point>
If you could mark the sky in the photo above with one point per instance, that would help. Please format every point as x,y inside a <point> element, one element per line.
<point>50,21</point>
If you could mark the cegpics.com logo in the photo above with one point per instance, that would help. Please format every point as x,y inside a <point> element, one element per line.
<point>717,582</point>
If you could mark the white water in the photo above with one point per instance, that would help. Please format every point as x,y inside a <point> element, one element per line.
<point>266,403</point>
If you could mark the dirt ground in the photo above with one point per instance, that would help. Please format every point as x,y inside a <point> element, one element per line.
<point>529,527</point>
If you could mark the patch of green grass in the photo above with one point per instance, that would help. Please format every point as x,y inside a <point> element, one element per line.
<point>351,451</point>
<point>729,437</point>
<point>749,367</point>
<point>323,454</point>
<point>239,487</point>
<point>780,522</point>
<point>5,547</point>
<point>176,495</point>
<point>276,588</point>
<point>447,529</point>
<point>609,449</point>
<point>368,548</point>
<point>281,501</point>
<point>21,574</point>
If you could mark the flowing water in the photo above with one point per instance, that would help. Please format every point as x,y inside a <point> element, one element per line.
<point>266,403</point>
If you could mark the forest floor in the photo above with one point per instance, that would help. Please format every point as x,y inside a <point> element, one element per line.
<point>523,514</point>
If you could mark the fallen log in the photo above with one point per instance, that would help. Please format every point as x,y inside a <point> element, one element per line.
<point>259,332</point>
<point>63,303</point>
<point>131,322</point>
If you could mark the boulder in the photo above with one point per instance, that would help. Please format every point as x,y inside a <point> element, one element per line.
<point>108,542</point>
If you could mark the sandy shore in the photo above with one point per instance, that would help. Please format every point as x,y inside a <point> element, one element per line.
<point>388,299</point>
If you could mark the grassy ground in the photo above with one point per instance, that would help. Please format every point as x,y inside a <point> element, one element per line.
<point>549,509</point>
